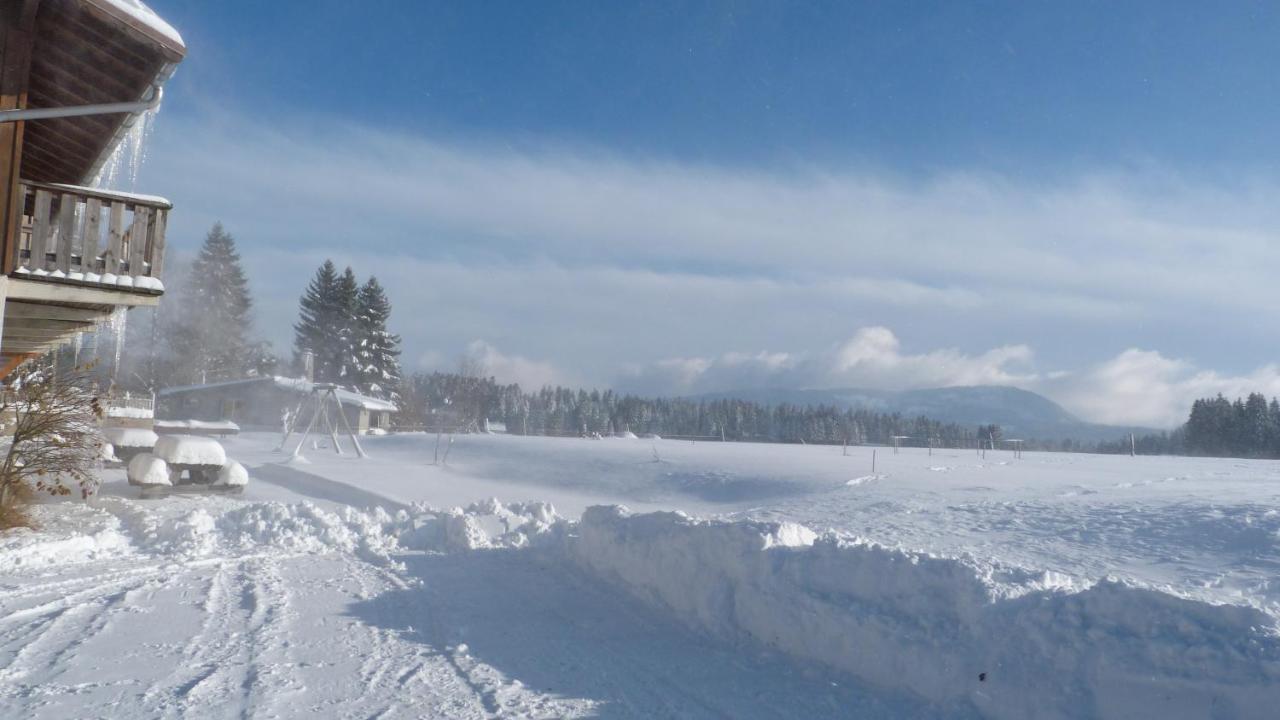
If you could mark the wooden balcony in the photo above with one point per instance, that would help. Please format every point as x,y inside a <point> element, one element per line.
<point>89,238</point>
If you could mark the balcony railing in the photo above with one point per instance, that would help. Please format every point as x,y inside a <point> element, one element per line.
<point>92,237</point>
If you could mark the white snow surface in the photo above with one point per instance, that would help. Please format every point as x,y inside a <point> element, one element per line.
<point>147,469</point>
<point>233,473</point>
<point>138,12</point>
<point>190,450</point>
<point>130,437</point>
<point>130,412</point>
<point>1055,586</point>
<point>219,425</point>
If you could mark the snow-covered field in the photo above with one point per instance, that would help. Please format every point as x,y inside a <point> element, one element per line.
<point>943,585</point>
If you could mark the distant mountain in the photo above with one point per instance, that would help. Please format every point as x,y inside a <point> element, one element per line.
<point>1019,413</point>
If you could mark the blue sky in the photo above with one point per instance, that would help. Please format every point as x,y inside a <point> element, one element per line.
<point>1077,198</point>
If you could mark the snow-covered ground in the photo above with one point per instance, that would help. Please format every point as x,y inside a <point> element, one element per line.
<point>943,585</point>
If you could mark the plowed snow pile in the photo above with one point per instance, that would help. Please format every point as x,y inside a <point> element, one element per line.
<point>114,527</point>
<point>1014,644</point>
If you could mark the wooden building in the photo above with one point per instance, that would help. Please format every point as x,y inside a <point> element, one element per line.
<point>261,404</point>
<point>75,75</point>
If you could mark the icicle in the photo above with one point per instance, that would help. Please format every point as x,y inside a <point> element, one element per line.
<point>129,153</point>
<point>117,323</point>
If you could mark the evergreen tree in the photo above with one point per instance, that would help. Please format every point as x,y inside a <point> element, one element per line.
<point>344,358</point>
<point>318,323</point>
<point>377,349</point>
<point>209,333</point>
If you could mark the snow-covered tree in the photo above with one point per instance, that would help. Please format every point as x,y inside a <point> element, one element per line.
<point>327,326</point>
<point>344,355</point>
<point>377,348</point>
<point>209,333</point>
<point>317,320</point>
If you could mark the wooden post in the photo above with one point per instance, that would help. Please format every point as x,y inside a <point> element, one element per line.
<point>41,229</point>
<point>89,239</point>
<point>873,461</point>
<point>157,243</point>
<point>138,238</point>
<point>66,228</point>
<point>115,238</point>
<point>17,32</point>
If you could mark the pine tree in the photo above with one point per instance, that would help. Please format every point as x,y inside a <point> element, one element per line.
<point>344,359</point>
<point>317,326</point>
<point>210,331</point>
<point>377,349</point>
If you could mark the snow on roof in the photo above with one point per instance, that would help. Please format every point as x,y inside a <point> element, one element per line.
<point>137,14</point>
<point>298,385</point>
<point>346,397</point>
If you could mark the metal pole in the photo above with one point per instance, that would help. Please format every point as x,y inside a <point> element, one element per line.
<point>150,103</point>
<point>314,414</point>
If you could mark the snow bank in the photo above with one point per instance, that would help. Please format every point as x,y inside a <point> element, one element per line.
<point>483,525</point>
<point>190,450</point>
<point>233,473</point>
<point>219,526</point>
<point>130,437</point>
<point>147,469</point>
<point>1011,644</point>
<point>66,533</point>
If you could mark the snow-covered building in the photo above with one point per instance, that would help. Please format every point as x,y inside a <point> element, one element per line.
<point>76,76</point>
<point>261,403</point>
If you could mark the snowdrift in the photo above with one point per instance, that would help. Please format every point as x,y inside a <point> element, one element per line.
<point>1009,643</point>
<point>119,527</point>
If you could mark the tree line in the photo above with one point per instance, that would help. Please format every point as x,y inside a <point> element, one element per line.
<point>1216,427</point>
<point>464,402</point>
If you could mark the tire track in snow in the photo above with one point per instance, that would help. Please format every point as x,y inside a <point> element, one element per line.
<point>222,663</point>
<point>63,626</point>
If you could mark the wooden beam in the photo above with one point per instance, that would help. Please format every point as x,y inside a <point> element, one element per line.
<point>68,293</point>
<point>26,347</point>
<point>12,323</point>
<point>11,362</point>
<point>22,310</point>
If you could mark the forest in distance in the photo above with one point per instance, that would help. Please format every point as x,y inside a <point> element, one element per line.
<point>464,401</point>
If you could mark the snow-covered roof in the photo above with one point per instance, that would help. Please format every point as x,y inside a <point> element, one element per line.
<point>136,14</point>
<point>346,397</point>
<point>298,385</point>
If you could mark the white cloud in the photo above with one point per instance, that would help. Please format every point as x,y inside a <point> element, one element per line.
<point>591,261</point>
<point>1136,387</point>
<point>1143,387</point>
<point>872,358</point>
<point>530,374</point>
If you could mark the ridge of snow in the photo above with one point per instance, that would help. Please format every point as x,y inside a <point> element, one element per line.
<point>938,627</point>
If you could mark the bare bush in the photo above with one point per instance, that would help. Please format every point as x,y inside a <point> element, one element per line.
<point>56,438</point>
